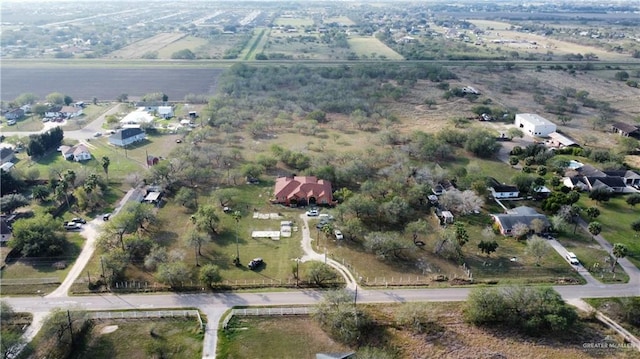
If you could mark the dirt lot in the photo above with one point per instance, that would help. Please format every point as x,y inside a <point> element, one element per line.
<point>139,48</point>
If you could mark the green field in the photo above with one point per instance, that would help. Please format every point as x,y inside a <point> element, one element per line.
<point>373,48</point>
<point>190,42</point>
<point>616,218</point>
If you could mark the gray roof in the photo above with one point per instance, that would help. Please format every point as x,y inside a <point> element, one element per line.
<point>610,182</point>
<point>126,133</point>
<point>624,127</point>
<point>522,214</point>
<point>5,151</point>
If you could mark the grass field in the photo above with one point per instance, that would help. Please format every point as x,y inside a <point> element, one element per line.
<point>372,47</point>
<point>152,44</point>
<point>341,20</point>
<point>28,123</point>
<point>188,42</point>
<point>250,337</point>
<point>616,217</point>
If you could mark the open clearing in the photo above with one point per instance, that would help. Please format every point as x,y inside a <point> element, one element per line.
<point>139,48</point>
<point>373,48</point>
<point>192,43</point>
<point>450,338</point>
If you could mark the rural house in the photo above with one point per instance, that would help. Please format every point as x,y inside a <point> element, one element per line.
<point>6,155</point>
<point>127,136</point>
<point>625,129</point>
<point>165,111</point>
<point>534,125</point>
<point>5,231</point>
<point>53,112</point>
<point>500,190</point>
<point>559,140</point>
<point>525,215</point>
<point>16,114</point>
<point>70,111</point>
<point>77,153</point>
<point>588,178</point>
<point>302,191</point>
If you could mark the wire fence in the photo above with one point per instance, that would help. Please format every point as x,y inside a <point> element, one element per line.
<point>149,314</point>
<point>29,281</point>
<point>265,312</point>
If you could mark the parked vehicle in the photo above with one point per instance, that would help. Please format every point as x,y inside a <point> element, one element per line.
<point>313,213</point>
<point>106,216</point>
<point>255,263</point>
<point>79,220</point>
<point>70,226</point>
<point>338,234</point>
<point>572,258</point>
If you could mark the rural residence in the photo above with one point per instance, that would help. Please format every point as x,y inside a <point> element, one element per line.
<point>302,191</point>
<point>5,231</point>
<point>525,215</point>
<point>625,129</point>
<point>140,115</point>
<point>588,178</point>
<point>165,112</point>
<point>70,111</point>
<point>16,114</point>
<point>127,136</point>
<point>500,190</point>
<point>534,125</point>
<point>77,153</point>
<point>6,155</point>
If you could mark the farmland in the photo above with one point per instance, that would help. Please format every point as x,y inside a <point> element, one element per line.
<point>139,49</point>
<point>107,83</point>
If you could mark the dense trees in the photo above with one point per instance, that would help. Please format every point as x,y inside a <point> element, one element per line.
<point>338,316</point>
<point>41,143</point>
<point>11,202</point>
<point>482,143</point>
<point>319,273</point>
<point>38,236</point>
<point>533,310</point>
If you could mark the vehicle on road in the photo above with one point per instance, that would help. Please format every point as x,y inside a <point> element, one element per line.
<point>571,257</point>
<point>255,263</point>
<point>78,220</point>
<point>97,134</point>
<point>313,213</point>
<point>106,216</point>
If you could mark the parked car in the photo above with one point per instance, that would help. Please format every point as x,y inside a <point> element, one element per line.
<point>325,216</point>
<point>79,220</point>
<point>255,263</point>
<point>106,216</point>
<point>11,122</point>
<point>97,134</point>
<point>572,258</point>
<point>338,234</point>
<point>70,226</point>
<point>313,213</point>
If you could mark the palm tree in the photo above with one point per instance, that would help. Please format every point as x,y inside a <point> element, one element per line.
<point>105,166</point>
<point>619,251</point>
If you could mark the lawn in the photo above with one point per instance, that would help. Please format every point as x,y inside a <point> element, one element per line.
<point>28,123</point>
<point>190,42</point>
<point>264,337</point>
<point>616,217</point>
<point>135,338</point>
<point>250,337</point>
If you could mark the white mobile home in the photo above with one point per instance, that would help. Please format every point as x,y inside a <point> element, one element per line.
<point>534,125</point>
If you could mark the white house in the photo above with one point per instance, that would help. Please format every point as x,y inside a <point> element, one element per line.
<point>77,153</point>
<point>534,125</point>
<point>140,115</point>
<point>127,136</point>
<point>165,111</point>
<point>71,111</point>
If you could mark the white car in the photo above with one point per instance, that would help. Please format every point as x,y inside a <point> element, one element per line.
<point>338,234</point>
<point>11,122</point>
<point>313,213</point>
<point>572,258</point>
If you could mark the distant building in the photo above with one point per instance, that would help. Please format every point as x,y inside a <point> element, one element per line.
<point>77,153</point>
<point>165,111</point>
<point>534,125</point>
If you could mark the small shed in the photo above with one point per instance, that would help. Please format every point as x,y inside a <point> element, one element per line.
<point>446,216</point>
<point>153,197</point>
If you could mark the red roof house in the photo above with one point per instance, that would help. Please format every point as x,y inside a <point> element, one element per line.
<point>303,190</point>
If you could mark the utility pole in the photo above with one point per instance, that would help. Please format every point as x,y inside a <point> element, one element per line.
<point>70,328</point>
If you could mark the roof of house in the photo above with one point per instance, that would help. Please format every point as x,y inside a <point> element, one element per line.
<point>534,119</point>
<point>624,127</point>
<point>501,188</point>
<point>5,151</point>
<point>610,182</point>
<point>521,214</point>
<point>623,173</point>
<point>164,110</point>
<point>562,139</point>
<point>80,149</point>
<point>6,166</point>
<point>69,109</point>
<point>4,227</point>
<point>590,171</point>
<point>302,187</point>
<point>126,133</point>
